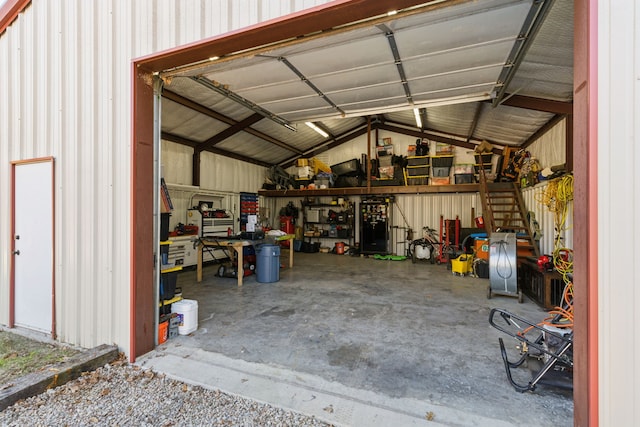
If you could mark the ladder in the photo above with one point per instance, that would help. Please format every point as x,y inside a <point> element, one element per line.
<point>503,210</point>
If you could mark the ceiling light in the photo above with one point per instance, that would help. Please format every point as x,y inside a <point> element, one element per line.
<point>416,112</point>
<point>213,58</point>
<point>317,129</point>
<point>392,12</point>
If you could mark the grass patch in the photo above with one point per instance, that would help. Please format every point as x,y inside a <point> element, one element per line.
<point>20,356</point>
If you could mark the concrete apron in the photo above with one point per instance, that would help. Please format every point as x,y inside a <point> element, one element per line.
<point>359,341</point>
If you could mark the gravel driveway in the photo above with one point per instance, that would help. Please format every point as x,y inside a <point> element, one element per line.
<point>123,395</point>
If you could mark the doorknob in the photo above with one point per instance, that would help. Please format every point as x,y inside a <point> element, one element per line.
<point>16,252</point>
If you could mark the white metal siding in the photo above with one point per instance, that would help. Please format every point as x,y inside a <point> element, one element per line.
<point>220,177</point>
<point>533,199</point>
<point>65,72</point>
<point>618,211</point>
<point>550,149</point>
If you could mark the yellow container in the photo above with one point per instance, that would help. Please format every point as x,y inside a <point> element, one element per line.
<point>462,265</point>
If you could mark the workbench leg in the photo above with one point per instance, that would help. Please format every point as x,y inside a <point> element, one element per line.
<point>290,253</point>
<point>199,264</point>
<point>240,257</point>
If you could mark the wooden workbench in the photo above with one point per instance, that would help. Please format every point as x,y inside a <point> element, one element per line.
<point>236,247</point>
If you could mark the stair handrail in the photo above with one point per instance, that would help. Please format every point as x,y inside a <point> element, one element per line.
<point>487,212</point>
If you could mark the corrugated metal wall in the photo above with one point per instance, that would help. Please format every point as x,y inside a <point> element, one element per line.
<point>537,201</point>
<point>219,176</point>
<point>618,158</point>
<point>65,68</point>
<point>425,209</point>
<point>547,150</point>
<point>420,211</point>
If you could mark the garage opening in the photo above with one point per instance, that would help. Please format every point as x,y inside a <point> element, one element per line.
<point>387,326</point>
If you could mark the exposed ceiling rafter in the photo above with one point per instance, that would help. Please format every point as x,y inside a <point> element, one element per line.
<point>538,104</point>
<point>532,23</point>
<point>223,90</point>
<point>188,142</point>
<point>229,132</point>
<point>397,60</point>
<point>214,115</point>
<point>474,123</point>
<point>309,83</point>
<point>339,140</point>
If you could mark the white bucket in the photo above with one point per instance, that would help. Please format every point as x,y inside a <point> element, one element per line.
<point>187,310</point>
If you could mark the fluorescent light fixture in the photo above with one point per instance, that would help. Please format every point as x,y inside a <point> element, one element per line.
<point>213,58</point>
<point>416,112</point>
<point>317,129</point>
<point>392,12</point>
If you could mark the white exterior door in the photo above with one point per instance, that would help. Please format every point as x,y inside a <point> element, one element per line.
<point>33,245</point>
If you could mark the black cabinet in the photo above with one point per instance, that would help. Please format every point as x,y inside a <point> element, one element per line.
<point>375,225</point>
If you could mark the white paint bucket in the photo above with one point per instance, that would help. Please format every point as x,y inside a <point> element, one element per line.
<point>187,311</point>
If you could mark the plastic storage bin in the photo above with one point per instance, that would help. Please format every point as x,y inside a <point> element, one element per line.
<point>418,171</point>
<point>440,181</point>
<point>168,284</point>
<point>187,311</point>
<point>348,168</point>
<point>419,180</point>
<point>461,168</point>
<point>464,178</point>
<point>441,171</point>
<point>417,160</point>
<point>268,263</point>
<point>164,226</point>
<point>442,161</point>
<point>163,331</point>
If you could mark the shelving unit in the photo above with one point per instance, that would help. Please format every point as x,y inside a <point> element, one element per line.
<point>168,278</point>
<point>441,169</point>
<point>417,170</point>
<point>248,206</point>
<point>328,221</point>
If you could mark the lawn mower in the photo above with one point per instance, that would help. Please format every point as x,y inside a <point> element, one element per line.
<point>546,348</point>
<point>230,268</point>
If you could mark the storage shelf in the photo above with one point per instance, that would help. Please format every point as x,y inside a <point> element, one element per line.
<point>171,269</point>
<point>355,191</point>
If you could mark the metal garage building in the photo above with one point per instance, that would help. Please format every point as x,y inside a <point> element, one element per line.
<point>79,114</point>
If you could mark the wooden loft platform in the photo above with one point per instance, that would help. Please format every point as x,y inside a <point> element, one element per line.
<point>357,191</point>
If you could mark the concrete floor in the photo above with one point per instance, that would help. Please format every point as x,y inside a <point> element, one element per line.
<point>372,341</point>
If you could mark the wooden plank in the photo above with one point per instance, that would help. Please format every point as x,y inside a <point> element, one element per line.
<point>355,191</point>
<point>39,382</point>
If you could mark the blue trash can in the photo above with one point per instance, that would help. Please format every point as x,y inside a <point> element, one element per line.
<point>268,263</point>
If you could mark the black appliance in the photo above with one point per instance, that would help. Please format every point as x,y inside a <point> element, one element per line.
<point>375,225</point>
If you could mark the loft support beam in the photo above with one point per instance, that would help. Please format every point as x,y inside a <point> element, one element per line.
<point>185,141</point>
<point>538,104</point>
<point>195,168</point>
<point>220,117</point>
<point>230,131</point>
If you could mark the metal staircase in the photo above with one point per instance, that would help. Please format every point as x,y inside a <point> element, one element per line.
<point>503,210</point>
